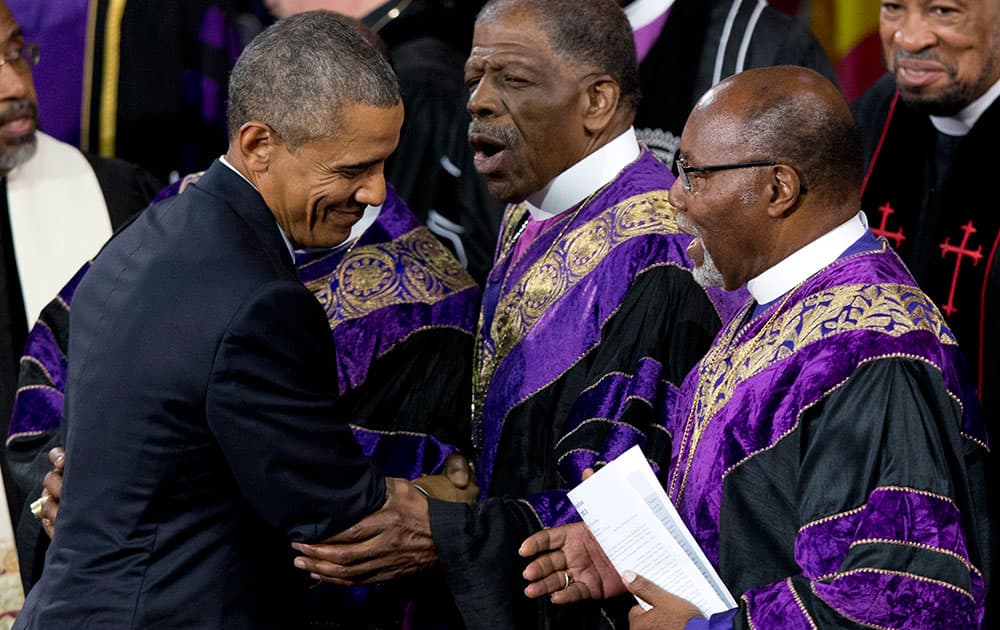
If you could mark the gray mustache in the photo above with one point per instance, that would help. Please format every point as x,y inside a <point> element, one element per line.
<point>504,135</point>
<point>923,55</point>
<point>17,109</point>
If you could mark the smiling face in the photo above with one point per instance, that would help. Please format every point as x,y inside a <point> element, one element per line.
<point>944,53</point>
<point>320,189</point>
<point>527,106</point>
<point>18,102</point>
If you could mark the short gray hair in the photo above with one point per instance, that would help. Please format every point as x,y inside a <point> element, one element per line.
<point>299,74</point>
<point>591,32</point>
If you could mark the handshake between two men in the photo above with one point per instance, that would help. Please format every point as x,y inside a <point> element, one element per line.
<point>396,541</point>
<point>392,542</point>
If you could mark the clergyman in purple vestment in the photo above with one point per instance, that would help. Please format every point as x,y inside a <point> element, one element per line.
<point>590,315</point>
<point>826,453</point>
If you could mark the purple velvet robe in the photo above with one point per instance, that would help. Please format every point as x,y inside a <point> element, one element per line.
<point>582,339</point>
<point>828,457</point>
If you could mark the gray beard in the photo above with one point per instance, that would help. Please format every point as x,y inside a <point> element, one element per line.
<point>707,274</point>
<point>19,154</point>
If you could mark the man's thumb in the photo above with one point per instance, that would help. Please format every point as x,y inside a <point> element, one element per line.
<point>640,587</point>
<point>456,468</point>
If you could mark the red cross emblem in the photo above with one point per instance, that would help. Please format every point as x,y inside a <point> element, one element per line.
<point>960,252</point>
<point>882,230</point>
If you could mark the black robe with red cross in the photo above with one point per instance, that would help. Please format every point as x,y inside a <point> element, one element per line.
<point>936,199</point>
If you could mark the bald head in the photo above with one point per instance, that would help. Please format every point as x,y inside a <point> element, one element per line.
<point>795,116</point>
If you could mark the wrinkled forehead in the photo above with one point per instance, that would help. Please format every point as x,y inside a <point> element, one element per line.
<point>510,38</point>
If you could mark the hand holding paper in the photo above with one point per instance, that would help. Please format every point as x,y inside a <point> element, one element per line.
<point>669,612</point>
<point>639,529</point>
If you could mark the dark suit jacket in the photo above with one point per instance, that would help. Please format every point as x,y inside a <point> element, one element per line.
<point>202,431</point>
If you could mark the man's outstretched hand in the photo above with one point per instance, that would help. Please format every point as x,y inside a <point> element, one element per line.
<point>568,550</point>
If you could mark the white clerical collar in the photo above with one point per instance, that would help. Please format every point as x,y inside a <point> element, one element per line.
<point>584,178</point>
<point>962,123</point>
<point>784,276</point>
<point>643,12</point>
<point>369,217</point>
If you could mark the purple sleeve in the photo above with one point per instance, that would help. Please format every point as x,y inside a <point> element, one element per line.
<point>718,621</point>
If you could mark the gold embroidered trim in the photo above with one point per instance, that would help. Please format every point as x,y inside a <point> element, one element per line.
<point>107,114</point>
<point>864,505</point>
<point>812,585</point>
<point>480,388</point>
<point>48,375</point>
<point>909,543</point>
<point>592,421</point>
<point>541,525</point>
<point>388,433</point>
<point>892,309</point>
<point>38,386</point>
<point>570,259</point>
<point>421,329</point>
<point>826,394</point>
<point>914,576</point>
<point>926,493</point>
<point>975,441</point>
<point>802,606</point>
<point>749,617</point>
<point>413,269</point>
<point>833,517</point>
<point>24,434</point>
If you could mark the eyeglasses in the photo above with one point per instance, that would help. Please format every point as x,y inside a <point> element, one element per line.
<point>29,53</point>
<point>683,171</point>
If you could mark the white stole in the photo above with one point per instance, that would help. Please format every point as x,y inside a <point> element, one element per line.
<point>58,217</point>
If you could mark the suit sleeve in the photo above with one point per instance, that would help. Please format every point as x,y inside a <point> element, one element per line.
<point>272,406</point>
<point>890,495</point>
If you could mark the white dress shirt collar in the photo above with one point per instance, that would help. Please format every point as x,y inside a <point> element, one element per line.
<point>962,123</point>
<point>787,274</point>
<point>584,178</point>
<point>642,12</point>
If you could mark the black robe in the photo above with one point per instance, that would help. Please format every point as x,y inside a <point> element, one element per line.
<point>944,222</point>
<point>581,341</point>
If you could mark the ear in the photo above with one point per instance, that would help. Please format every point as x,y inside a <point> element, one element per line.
<point>602,95</point>
<point>785,189</point>
<point>257,142</point>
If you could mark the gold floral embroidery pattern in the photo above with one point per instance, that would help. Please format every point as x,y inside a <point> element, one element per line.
<point>413,269</point>
<point>891,309</point>
<point>894,310</point>
<point>566,263</point>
